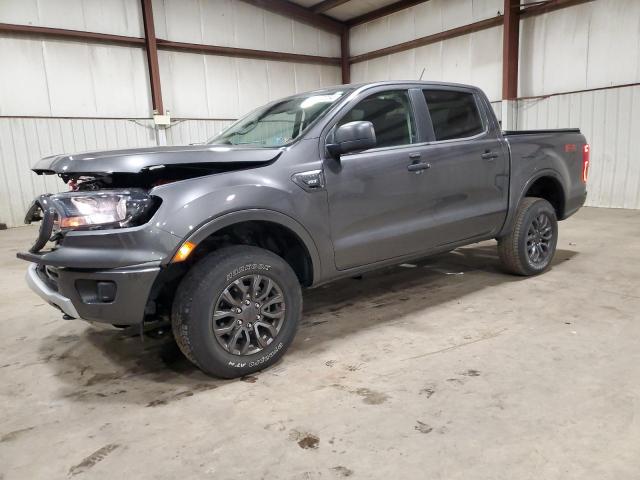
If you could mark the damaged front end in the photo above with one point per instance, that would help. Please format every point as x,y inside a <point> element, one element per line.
<point>94,257</point>
<point>99,255</point>
<point>112,189</point>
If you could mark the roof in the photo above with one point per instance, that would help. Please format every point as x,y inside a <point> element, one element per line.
<point>345,10</point>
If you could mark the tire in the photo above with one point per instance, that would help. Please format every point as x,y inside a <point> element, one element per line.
<point>208,285</point>
<point>517,256</point>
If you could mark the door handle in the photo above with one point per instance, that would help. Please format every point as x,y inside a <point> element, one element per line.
<point>416,167</point>
<point>489,155</point>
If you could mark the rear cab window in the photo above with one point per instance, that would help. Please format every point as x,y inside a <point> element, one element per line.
<point>454,114</point>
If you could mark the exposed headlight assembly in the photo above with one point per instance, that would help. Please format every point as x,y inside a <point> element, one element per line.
<point>101,209</point>
<point>90,210</point>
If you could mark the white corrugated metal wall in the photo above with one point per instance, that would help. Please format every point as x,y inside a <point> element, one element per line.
<point>475,58</point>
<point>207,86</point>
<point>594,45</point>
<point>96,96</point>
<point>610,121</point>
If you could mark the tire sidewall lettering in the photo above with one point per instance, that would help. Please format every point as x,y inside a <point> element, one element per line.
<point>249,267</point>
<point>260,361</point>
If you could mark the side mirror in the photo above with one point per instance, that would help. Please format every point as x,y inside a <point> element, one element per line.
<point>351,137</point>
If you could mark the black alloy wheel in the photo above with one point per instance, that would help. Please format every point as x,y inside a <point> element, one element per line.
<point>248,314</point>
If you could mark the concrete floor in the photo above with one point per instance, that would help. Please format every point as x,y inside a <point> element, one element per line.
<point>450,370</point>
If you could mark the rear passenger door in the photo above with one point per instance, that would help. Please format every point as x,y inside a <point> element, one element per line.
<point>466,187</point>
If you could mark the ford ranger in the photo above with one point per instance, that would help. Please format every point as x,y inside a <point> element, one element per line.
<point>219,238</point>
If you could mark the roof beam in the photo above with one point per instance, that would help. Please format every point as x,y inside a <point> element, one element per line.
<point>383,11</point>
<point>437,37</point>
<point>327,5</point>
<point>62,33</point>
<point>246,53</point>
<point>292,10</point>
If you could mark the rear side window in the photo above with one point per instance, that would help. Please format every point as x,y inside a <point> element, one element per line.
<point>390,114</point>
<point>453,114</point>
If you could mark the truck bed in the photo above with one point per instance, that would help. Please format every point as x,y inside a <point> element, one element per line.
<point>557,153</point>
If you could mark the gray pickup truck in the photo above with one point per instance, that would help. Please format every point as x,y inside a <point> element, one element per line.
<point>219,238</point>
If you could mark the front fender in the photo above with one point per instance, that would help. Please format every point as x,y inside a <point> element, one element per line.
<point>263,215</point>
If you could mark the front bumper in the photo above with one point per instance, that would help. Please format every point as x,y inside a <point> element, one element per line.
<point>117,296</point>
<point>48,294</point>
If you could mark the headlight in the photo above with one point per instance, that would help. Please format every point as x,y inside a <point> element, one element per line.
<point>102,209</point>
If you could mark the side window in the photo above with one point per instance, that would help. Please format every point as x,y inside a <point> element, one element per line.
<point>390,114</point>
<point>453,114</point>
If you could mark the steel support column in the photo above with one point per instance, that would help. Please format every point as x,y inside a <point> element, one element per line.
<point>510,42</point>
<point>344,52</point>
<point>152,56</point>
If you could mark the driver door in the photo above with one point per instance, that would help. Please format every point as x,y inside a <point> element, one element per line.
<point>373,197</point>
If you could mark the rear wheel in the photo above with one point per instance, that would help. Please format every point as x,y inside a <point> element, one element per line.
<point>237,311</point>
<point>531,245</point>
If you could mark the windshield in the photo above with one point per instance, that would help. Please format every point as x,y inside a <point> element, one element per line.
<point>281,122</point>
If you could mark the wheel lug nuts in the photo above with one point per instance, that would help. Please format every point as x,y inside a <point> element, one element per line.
<point>249,325</point>
<point>239,322</point>
<point>238,310</point>
<point>258,317</point>
<point>257,305</point>
<point>247,302</point>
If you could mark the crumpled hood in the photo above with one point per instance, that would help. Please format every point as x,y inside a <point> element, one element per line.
<point>135,160</point>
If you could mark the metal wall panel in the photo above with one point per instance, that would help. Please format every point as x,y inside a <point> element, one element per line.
<point>234,23</point>
<point>118,17</point>
<point>209,86</point>
<point>610,119</point>
<point>75,79</point>
<point>475,59</point>
<point>570,49</point>
<point>201,86</point>
<point>418,21</point>
<point>592,45</point>
<point>65,78</point>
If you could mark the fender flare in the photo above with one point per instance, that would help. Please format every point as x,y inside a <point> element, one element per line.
<point>257,214</point>
<point>547,172</point>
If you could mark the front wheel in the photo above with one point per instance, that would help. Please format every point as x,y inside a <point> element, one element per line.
<point>531,245</point>
<point>237,311</point>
